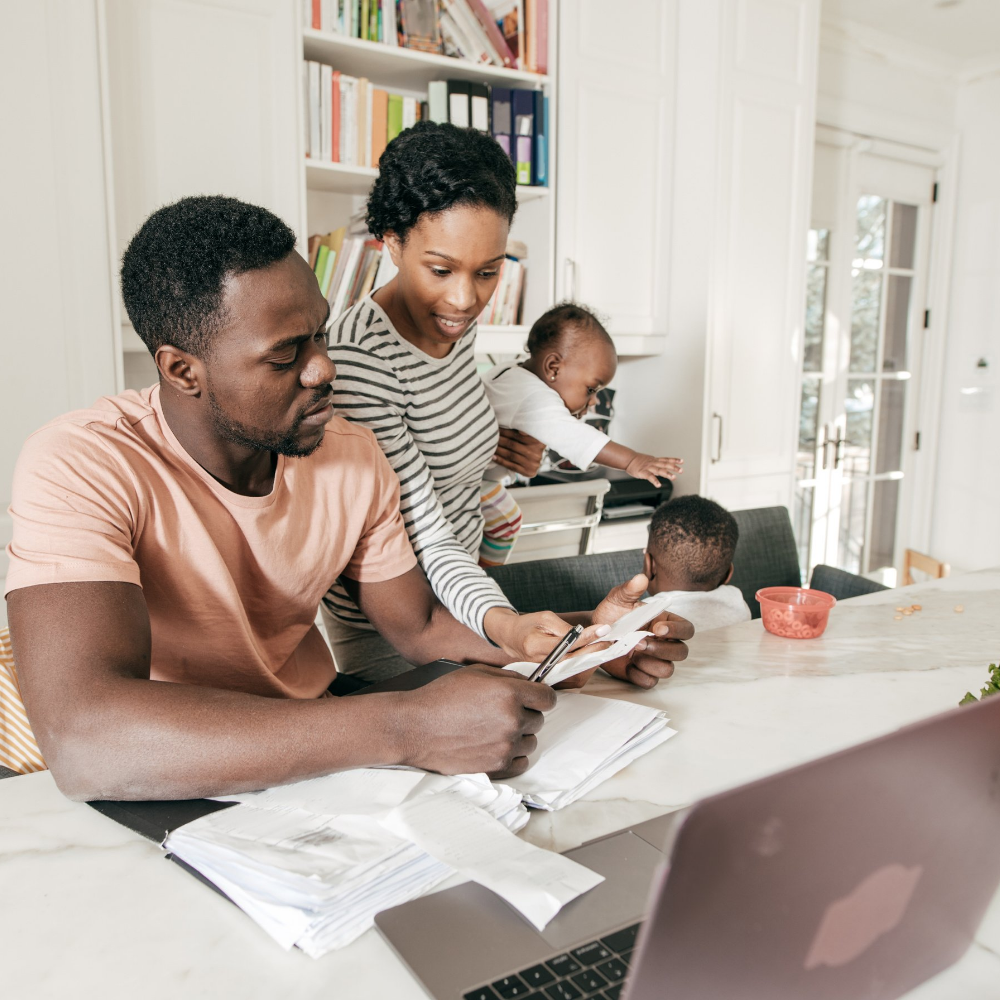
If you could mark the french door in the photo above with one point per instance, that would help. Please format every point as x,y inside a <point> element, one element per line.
<point>865,311</point>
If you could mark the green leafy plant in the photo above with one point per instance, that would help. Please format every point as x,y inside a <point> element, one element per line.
<point>992,686</point>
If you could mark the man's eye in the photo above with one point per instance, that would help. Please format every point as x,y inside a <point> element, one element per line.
<point>282,366</point>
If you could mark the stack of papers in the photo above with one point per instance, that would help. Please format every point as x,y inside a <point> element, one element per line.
<point>584,741</point>
<point>312,863</point>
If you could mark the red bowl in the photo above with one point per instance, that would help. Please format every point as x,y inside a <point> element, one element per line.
<point>795,612</point>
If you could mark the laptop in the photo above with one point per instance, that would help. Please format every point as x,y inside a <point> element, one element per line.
<point>854,877</point>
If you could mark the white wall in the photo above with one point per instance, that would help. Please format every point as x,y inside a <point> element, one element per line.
<point>56,309</point>
<point>966,521</point>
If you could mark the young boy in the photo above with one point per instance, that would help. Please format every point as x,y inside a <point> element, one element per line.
<point>571,358</point>
<point>690,555</point>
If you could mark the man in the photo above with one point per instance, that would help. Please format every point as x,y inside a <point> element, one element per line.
<point>187,533</point>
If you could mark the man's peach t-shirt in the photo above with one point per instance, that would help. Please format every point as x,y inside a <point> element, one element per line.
<point>232,582</point>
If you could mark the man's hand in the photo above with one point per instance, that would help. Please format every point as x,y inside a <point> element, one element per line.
<point>655,656</point>
<point>520,452</point>
<point>649,467</point>
<point>475,719</point>
<point>532,637</point>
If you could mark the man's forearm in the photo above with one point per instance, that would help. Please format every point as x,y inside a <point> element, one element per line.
<point>140,739</point>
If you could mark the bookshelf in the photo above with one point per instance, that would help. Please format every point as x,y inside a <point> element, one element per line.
<point>332,192</point>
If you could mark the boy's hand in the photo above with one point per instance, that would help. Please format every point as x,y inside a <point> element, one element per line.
<point>649,467</point>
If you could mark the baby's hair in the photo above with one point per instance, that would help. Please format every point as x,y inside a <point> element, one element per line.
<point>549,327</point>
<point>695,535</point>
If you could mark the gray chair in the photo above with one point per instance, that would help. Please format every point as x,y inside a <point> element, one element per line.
<point>841,584</point>
<point>765,557</point>
<point>575,583</point>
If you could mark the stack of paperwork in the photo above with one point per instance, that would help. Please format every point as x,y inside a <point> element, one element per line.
<point>313,862</point>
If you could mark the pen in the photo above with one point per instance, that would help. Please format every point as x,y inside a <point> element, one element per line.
<point>561,649</point>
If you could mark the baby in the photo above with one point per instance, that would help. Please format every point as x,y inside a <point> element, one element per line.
<point>571,358</point>
<point>690,556</point>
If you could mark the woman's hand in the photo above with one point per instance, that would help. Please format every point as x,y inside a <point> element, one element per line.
<point>519,452</point>
<point>649,467</point>
<point>532,637</point>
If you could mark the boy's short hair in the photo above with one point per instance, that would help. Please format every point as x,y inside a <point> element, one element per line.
<point>695,535</point>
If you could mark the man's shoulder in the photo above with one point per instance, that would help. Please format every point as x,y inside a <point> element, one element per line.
<point>99,427</point>
<point>346,442</point>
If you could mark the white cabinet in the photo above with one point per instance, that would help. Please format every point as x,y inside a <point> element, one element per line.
<point>756,312</point>
<point>616,106</point>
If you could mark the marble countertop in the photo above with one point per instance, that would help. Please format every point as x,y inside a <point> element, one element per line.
<point>91,910</point>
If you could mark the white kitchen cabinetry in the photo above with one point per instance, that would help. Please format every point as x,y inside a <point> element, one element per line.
<point>617,71</point>
<point>756,312</point>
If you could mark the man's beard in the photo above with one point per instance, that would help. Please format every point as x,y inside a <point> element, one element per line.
<point>249,437</point>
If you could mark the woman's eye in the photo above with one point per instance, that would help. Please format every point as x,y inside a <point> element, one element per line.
<point>440,271</point>
<point>488,274</point>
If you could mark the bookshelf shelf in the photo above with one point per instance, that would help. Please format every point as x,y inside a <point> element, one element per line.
<point>404,69</point>
<point>346,179</point>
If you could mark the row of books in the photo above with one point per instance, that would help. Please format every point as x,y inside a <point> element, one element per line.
<point>509,33</point>
<point>346,265</point>
<point>350,264</point>
<point>349,120</point>
<point>504,307</point>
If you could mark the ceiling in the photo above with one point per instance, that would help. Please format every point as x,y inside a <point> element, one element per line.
<point>966,31</point>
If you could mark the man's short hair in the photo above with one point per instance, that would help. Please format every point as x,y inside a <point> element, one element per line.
<point>175,268</point>
<point>695,535</point>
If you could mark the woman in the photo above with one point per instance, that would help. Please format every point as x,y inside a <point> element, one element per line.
<point>443,204</point>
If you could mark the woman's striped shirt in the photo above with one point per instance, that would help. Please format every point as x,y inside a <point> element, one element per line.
<point>438,431</point>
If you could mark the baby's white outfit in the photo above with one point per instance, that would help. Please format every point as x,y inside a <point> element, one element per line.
<point>523,402</point>
<point>708,609</point>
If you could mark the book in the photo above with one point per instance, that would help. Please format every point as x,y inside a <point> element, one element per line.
<point>325,112</point>
<point>437,100</point>
<point>459,111</point>
<point>524,128</point>
<point>335,115</point>
<point>501,118</point>
<point>540,149</point>
<point>380,123</point>
<point>493,32</point>
<point>394,116</point>
<point>315,145</point>
<point>479,106</point>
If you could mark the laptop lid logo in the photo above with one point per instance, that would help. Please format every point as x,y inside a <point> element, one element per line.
<point>852,924</point>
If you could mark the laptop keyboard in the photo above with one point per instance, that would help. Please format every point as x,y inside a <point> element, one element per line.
<point>595,970</point>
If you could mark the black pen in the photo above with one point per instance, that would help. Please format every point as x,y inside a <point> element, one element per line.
<point>561,649</point>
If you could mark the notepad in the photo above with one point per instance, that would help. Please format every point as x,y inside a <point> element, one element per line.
<point>577,664</point>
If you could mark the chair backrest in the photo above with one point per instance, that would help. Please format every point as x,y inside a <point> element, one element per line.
<point>576,583</point>
<point>934,568</point>
<point>842,584</point>
<point>766,555</point>
<point>557,520</point>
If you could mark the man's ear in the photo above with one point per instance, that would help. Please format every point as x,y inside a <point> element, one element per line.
<point>183,372</point>
<point>395,245</point>
<point>729,575</point>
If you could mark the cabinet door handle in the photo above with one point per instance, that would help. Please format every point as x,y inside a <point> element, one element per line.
<point>569,279</point>
<point>717,457</point>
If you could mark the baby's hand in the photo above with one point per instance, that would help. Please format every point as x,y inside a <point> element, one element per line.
<point>649,467</point>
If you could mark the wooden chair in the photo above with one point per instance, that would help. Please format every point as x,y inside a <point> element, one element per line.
<point>917,560</point>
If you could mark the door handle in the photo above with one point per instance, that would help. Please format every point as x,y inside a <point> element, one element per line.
<point>569,279</point>
<point>718,441</point>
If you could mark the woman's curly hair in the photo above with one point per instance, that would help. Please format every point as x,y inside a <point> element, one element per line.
<point>433,166</point>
